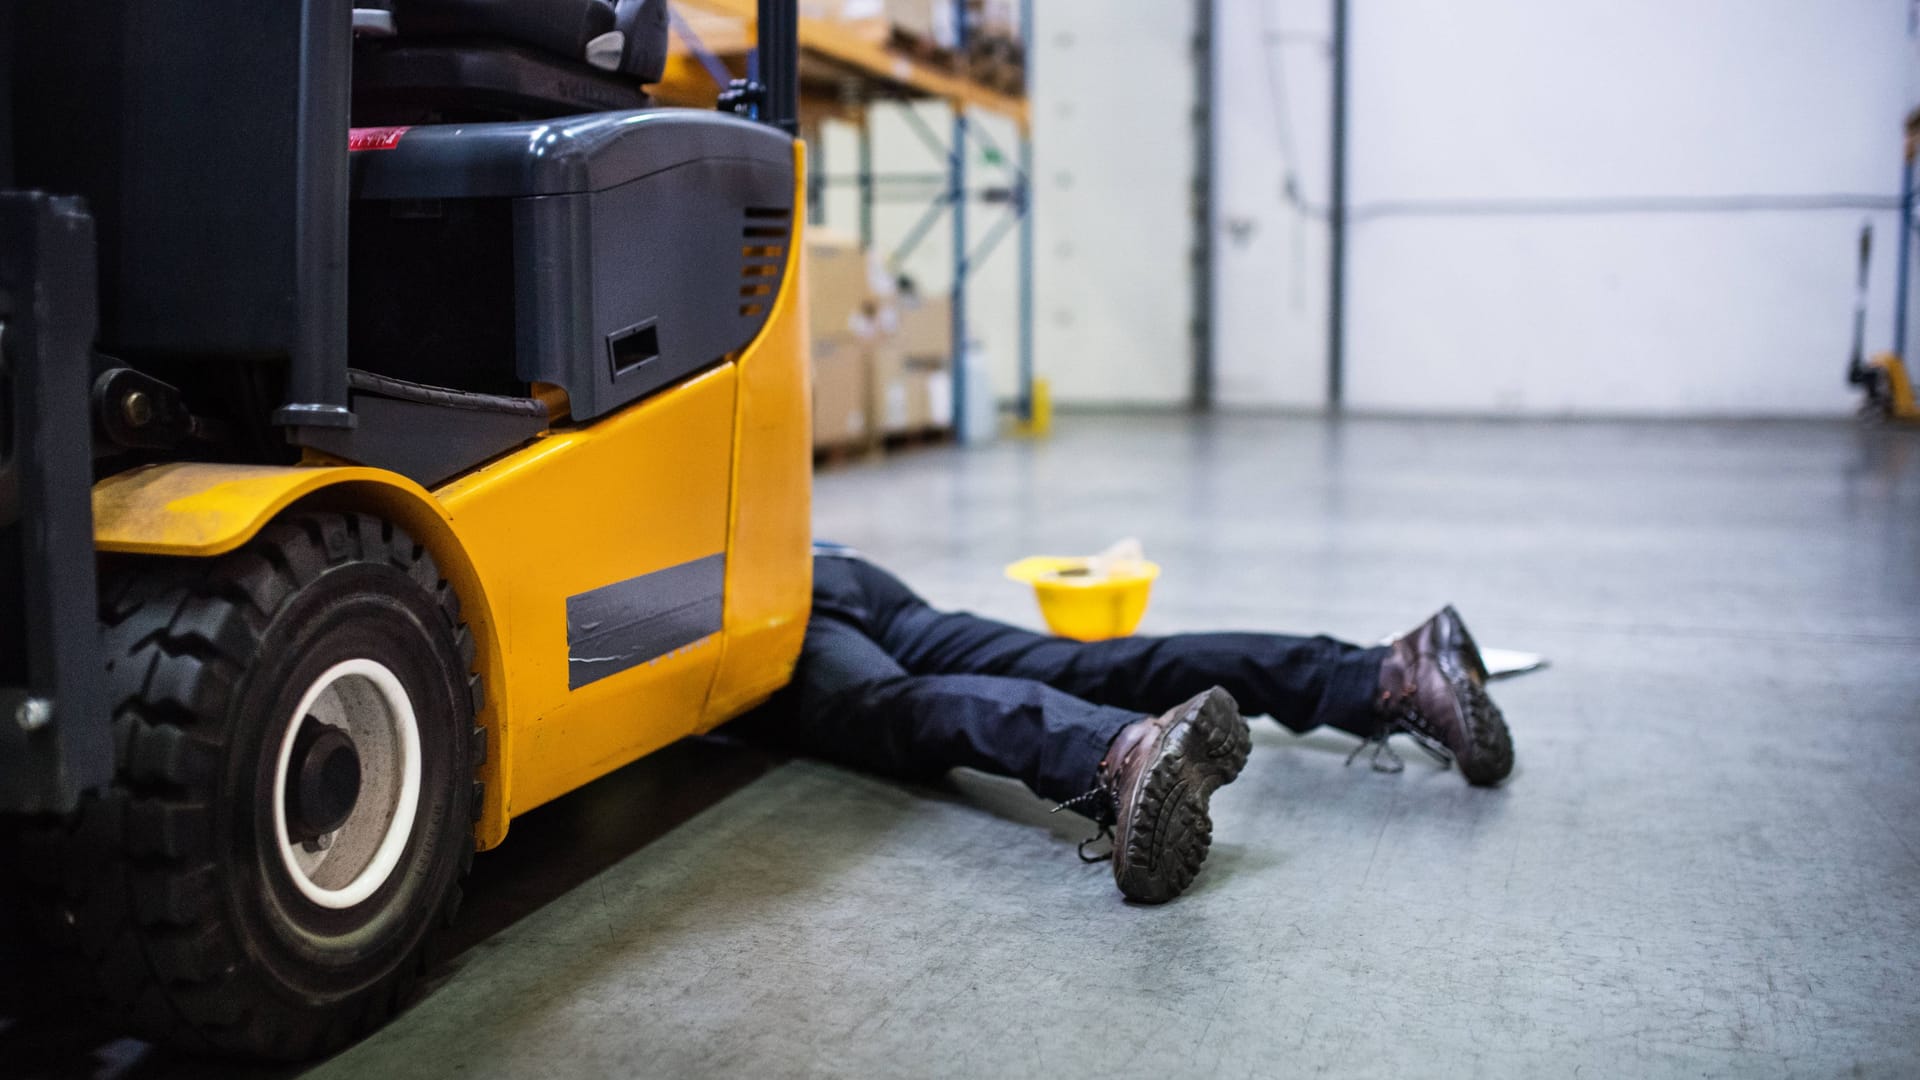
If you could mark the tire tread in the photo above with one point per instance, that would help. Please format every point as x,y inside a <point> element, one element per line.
<point>129,881</point>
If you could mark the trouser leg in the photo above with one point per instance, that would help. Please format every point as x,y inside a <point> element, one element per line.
<point>1302,682</point>
<point>852,703</point>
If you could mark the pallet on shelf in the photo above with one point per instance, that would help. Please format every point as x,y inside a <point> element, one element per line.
<point>924,49</point>
<point>920,438</point>
<point>840,455</point>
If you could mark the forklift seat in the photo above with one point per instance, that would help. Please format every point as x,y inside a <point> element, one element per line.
<point>626,37</point>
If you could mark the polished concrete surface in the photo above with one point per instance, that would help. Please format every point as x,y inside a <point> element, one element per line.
<point>1706,864</point>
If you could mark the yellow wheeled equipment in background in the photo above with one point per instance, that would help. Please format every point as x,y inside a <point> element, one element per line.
<point>1884,377</point>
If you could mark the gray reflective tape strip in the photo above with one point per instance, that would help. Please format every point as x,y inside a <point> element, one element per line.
<point>628,623</point>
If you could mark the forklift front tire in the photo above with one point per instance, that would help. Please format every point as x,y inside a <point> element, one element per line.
<point>292,810</point>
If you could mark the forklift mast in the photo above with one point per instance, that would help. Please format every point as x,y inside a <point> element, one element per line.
<point>54,741</point>
<point>214,160</point>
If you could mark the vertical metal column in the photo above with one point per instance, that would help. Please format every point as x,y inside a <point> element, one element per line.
<point>817,174</point>
<point>316,394</point>
<point>1201,264</point>
<point>866,171</point>
<point>56,734</point>
<point>957,189</point>
<point>1337,221</point>
<point>1024,206</point>
<point>7,37</point>
<point>1906,239</point>
<point>778,27</point>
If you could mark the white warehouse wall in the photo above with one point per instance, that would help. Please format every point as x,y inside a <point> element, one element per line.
<point>1546,203</point>
<point>1113,101</point>
<point>1270,164</point>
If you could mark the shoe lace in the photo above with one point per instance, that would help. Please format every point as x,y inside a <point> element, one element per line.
<point>1406,720</point>
<point>1100,802</point>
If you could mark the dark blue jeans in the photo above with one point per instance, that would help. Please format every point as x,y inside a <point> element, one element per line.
<point>887,683</point>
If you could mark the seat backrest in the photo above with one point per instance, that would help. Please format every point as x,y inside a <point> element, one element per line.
<point>628,37</point>
<point>645,24</point>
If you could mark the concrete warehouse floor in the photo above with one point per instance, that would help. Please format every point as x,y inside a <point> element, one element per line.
<point>1705,864</point>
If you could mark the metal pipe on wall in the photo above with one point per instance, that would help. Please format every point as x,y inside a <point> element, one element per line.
<point>957,180</point>
<point>1203,192</point>
<point>1906,237</point>
<point>1025,209</point>
<point>1337,220</point>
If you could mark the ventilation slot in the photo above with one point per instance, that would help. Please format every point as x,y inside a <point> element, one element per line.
<point>633,347</point>
<point>763,256</point>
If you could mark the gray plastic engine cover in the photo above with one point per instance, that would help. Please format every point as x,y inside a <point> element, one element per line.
<point>639,237</point>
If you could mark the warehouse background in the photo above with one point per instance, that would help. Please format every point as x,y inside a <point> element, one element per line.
<point>1579,238</point>
<point>1641,209</point>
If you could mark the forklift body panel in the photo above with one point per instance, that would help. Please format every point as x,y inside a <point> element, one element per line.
<point>683,519</point>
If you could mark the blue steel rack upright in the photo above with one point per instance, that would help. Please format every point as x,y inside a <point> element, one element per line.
<point>863,74</point>
<point>952,195</point>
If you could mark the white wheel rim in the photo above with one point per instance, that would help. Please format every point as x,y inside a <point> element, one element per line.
<point>365,699</point>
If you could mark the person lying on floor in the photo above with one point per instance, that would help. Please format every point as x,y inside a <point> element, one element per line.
<point>1136,733</point>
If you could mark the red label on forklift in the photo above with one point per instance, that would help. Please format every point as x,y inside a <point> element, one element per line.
<point>374,138</point>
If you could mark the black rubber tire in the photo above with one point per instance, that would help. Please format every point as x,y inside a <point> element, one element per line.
<point>169,885</point>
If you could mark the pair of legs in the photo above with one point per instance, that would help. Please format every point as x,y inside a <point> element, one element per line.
<point>888,684</point>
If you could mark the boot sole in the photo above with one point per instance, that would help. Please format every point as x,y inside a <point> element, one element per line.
<point>1490,745</point>
<point>1171,829</point>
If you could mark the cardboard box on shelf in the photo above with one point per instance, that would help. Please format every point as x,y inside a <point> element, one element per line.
<point>991,17</point>
<point>843,10</point>
<point>929,21</point>
<point>925,334</point>
<point>938,388</point>
<point>842,398</point>
<point>909,395</point>
<point>839,301</point>
<point>723,34</point>
<point>866,19</point>
<point>887,388</point>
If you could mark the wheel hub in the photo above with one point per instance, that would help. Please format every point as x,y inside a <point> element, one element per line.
<point>347,783</point>
<point>325,781</point>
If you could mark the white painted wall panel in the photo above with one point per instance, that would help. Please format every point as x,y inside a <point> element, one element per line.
<point>1492,270</point>
<point>1271,75</point>
<point>1114,163</point>
<point>1662,315</point>
<point>1474,99</point>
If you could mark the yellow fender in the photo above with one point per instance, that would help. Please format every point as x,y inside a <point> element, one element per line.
<point>193,509</point>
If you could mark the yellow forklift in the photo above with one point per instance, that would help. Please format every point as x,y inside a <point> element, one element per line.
<point>402,423</point>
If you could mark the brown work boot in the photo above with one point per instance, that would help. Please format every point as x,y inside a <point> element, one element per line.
<point>1159,773</point>
<point>1433,686</point>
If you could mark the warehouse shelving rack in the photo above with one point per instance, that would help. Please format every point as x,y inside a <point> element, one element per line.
<point>843,73</point>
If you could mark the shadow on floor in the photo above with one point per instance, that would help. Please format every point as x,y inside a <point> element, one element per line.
<point>553,849</point>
